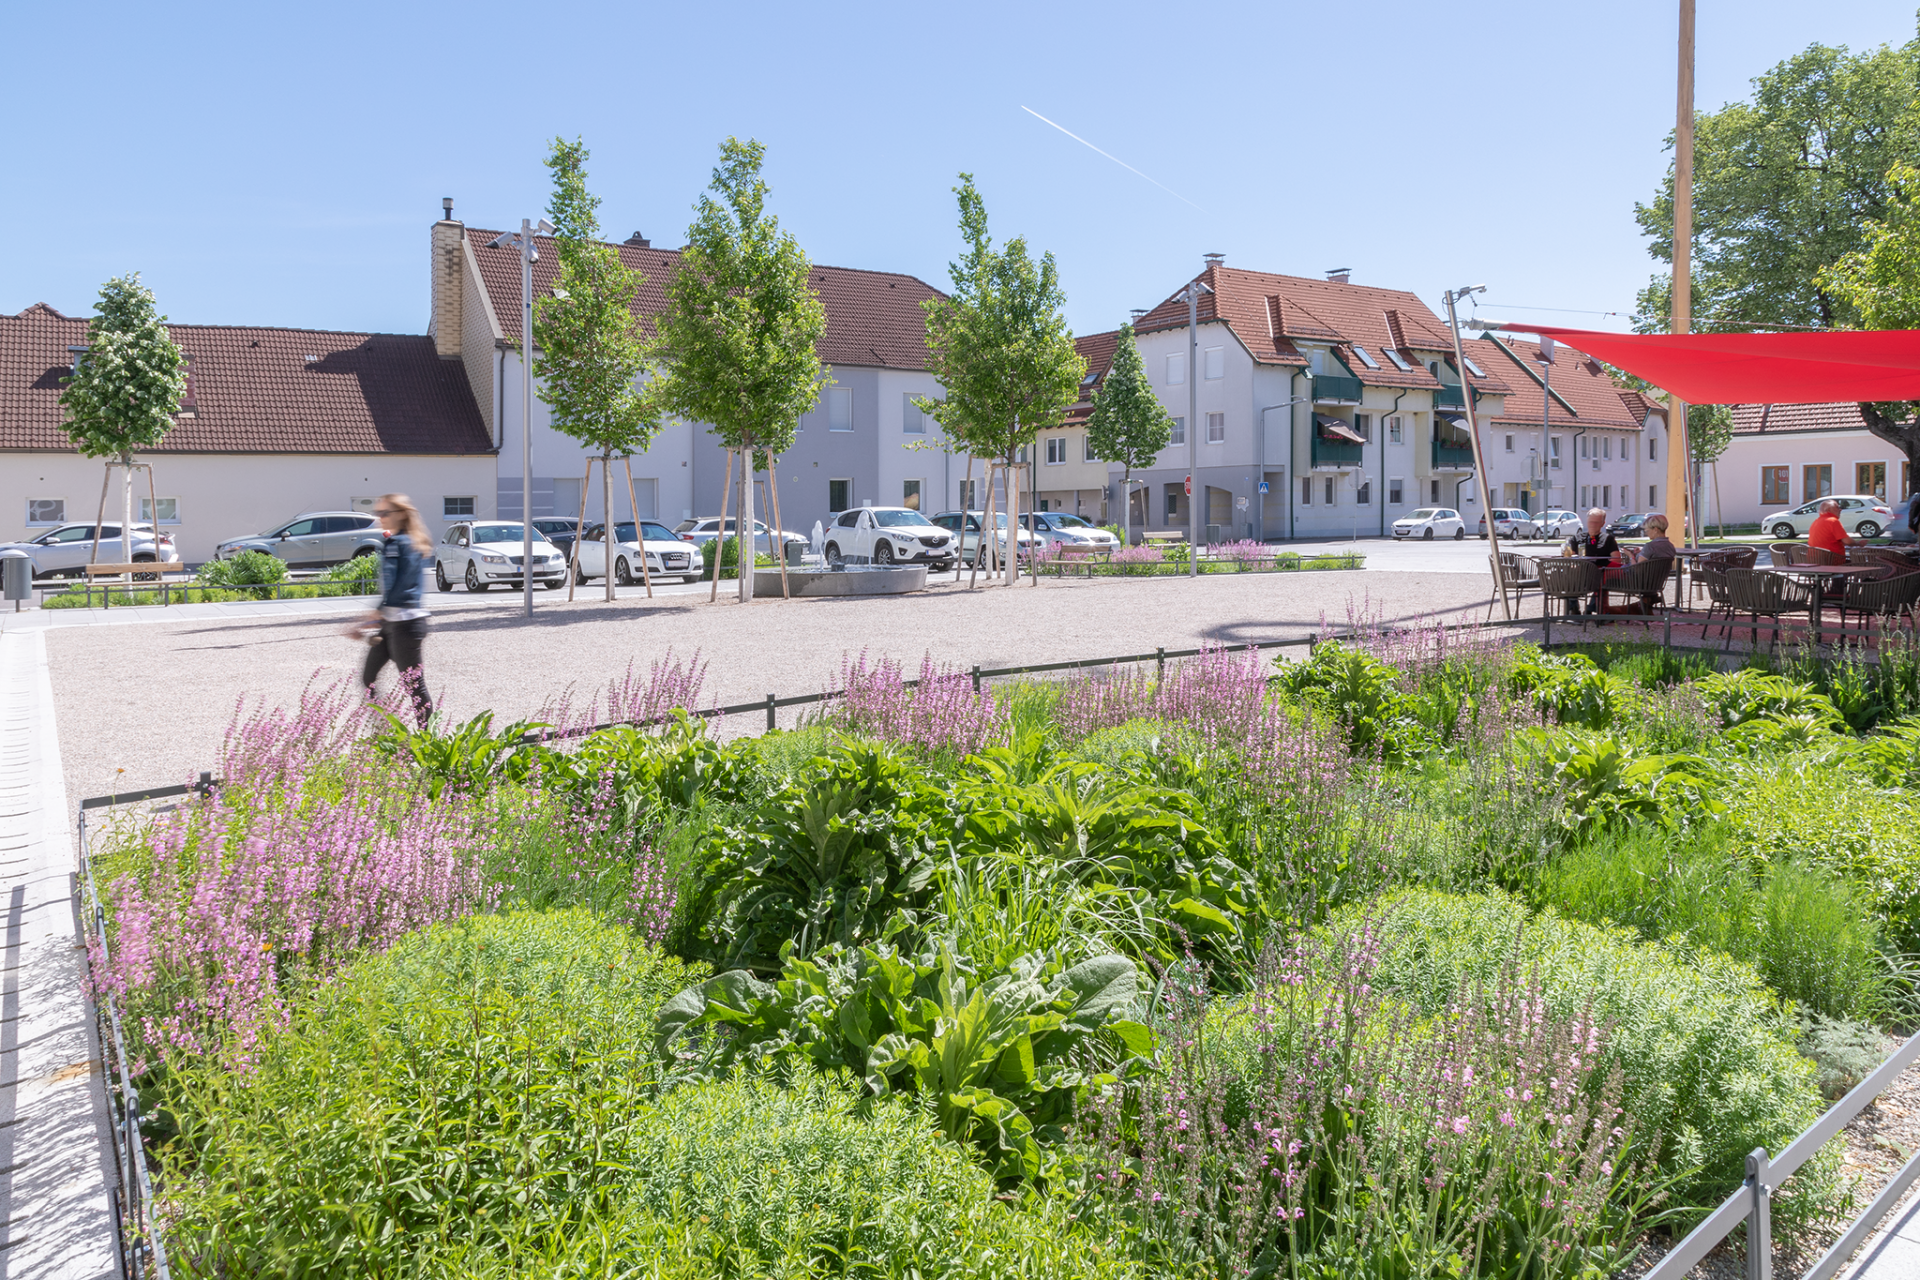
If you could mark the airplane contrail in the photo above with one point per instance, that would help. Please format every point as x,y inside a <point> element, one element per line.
<point>1116,159</point>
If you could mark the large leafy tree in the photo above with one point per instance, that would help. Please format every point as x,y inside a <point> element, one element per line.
<point>1785,185</point>
<point>1001,348</point>
<point>1129,425</point>
<point>125,388</point>
<point>591,353</point>
<point>1880,285</point>
<point>742,327</point>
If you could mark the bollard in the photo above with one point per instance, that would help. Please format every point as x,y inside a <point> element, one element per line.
<point>771,708</point>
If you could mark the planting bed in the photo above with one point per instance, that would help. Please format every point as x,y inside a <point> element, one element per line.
<point>1425,955</point>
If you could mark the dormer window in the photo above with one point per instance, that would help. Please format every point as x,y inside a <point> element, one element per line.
<point>1399,361</point>
<point>1365,358</point>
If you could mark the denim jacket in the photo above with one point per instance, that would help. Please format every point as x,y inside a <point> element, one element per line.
<point>401,571</point>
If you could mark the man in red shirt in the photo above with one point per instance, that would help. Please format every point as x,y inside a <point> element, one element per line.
<point>1827,532</point>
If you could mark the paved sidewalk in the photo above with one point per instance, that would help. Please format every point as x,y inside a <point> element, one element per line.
<point>1893,1252</point>
<point>53,1164</point>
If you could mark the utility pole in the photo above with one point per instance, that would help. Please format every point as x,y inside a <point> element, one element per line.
<point>1479,460</point>
<point>1679,447</point>
<point>1546,408</point>
<point>1194,291</point>
<point>528,256</point>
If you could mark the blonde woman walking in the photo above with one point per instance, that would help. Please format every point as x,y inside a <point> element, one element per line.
<point>396,630</point>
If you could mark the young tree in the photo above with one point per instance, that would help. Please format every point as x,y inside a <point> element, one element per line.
<point>1129,425</point>
<point>591,353</point>
<point>1002,350</point>
<point>742,327</point>
<point>125,388</point>
<point>1785,183</point>
<point>1880,283</point>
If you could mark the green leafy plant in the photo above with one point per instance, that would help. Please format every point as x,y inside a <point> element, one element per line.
<point>1000,1057</point>
<point>1603,781</point>
<point>249,569</point>
<point>1360,692</point>
<point>468,757</point>
<point>1740,696</point>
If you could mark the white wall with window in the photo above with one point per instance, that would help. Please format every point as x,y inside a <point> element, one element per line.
<point>1216,428</point>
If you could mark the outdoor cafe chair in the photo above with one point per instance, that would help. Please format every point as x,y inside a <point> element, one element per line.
<point>1642,585</point>
<point>1711,573</point>
<point>1886,597</point>
<point>1767,595</point>
<point>1782,552</point>
<point>1522,574</point>
<point>1564,578</point>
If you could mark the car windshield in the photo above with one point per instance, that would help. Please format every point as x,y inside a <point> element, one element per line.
<point>1067,522</point>
<point>624,532</point>
<point>501,533</point>
<point>899,519</point>
<point>1424,513</point>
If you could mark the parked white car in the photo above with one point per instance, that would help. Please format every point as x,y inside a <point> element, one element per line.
<point>1064,529</point>
<point>704,529</point>
<point>1510,522</point>
<point>667,556</point>
<point>313,540</point>
<point>888,535</point>
<point>969,537</point>
<point>481,553</point>
<point>1429,523</point>
<point>1861,514</point>
<point>1559,524</point>
<point>67,550</point>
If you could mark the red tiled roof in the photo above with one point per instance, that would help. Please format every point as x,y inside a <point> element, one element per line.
<point>1596,401</point>
<point>1097,350</point>
<point>873,317</point>
<point>1776,419</point>
<point>1639,406</point>
<point>1267,312</point>
<point>257,390</point>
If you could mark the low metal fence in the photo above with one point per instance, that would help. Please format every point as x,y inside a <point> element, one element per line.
<point>180,590</point>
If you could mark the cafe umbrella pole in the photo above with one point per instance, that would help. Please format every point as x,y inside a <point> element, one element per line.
<point>1479,463</point>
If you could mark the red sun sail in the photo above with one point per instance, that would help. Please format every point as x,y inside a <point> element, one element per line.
<point>1760,368</point>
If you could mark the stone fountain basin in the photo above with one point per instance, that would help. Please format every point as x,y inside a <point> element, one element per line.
<point>853,580</point>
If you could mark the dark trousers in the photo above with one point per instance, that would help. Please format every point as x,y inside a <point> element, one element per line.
<point>399,643</point>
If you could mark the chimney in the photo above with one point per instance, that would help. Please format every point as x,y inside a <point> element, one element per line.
<point>449,275</point>
<point>1338,275</point>
<point>639,241</point>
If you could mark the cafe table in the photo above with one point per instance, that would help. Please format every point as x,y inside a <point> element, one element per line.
<point>1822,574</point>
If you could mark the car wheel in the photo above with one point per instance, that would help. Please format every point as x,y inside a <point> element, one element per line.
<point>154,577</point>
<point>579,575</point>
<point>834,558</point>
<point>883,554</point>
<point>1428,535</point>
<point>440,577</point>
<point>473,579</point>
<point>554,584</point>
<point>622,572</point>
<point>1785,530</point>
<point>1867,529</point>
<point>1460,534</point>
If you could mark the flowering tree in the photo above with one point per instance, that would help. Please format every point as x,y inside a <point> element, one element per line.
<point>1002,350</point>
<point>125,388</point>
<point>742,327</point>
<point>1129,425</point>
<point>591,353</point>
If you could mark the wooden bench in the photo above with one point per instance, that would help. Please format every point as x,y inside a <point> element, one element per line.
<point>1163,536</point>
<point>147,570</point>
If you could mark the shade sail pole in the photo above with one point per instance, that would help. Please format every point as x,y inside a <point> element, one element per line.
<point>1479,461</point>
<point>1679,447</point>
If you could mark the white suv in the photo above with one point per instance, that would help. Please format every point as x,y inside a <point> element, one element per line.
<point>888,535</point>
<point>483,552</point>
<point>1861,514</point>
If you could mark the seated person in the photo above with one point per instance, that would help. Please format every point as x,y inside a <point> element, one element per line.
<point>1828,534</point>
<point>1595,543</point>
<point>1659,547</point>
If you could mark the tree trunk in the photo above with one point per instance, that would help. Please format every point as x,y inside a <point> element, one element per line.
<point>1013,522</point>
<point>606,516</point>
<point>126,509</point>
<point>1901,433</point>
<point>746,525</point>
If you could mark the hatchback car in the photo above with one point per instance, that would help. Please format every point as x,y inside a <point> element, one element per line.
<point>1510,522</point>
<point>968,538</point>
<point>481,553</point>
<point>1861,514</point>
<point>559,530</point>
<point>1064,529</point>
<point>314,540</point>
<point>1559,524</point>
<point>1630,526</point>
<point>66,551</point>
<point>703,529</point>
<point>1429,523</point>
<point>888,535</point>
<point>666,555</point>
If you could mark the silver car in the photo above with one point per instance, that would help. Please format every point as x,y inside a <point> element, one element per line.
<point>65,552</point>
<point>704,529</point>
<point>481,553</point>
<point>1861,514</point>
<point>1064,529</point>
<point>313,540</point>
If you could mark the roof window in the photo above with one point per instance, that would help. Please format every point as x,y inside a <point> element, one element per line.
<point>1478,372</point>
<point>1398,360</point>
<point>1365,359</point>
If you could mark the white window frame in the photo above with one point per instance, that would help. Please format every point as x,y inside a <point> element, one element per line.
<point>1214,362</point>
<point>1394,429</point>
<point>1056,451</point>
<point>1086,447</point>
<point>1509,442</point>
<point>851,505</point>
<point>912,421</point>
<point>46,523</point>
<point>1396,491</point>
<point>1399,360</point>
<point>1306,491</point>
<point>913,494</point>
<point>450,510</point>
<point>1553,453</point>
<point>1365,358</point>
<point>1332,492</point>
<point>1363,427</point>
<point>1177,369</point>
<point>1363,494</point>
<point>1179,431</point>
<point>1653,448</point>
<point>1216,428</point>
<point>146,512</point>
<point>837,396</point>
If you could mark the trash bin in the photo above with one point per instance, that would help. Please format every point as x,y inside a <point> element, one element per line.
<point>16,577</point>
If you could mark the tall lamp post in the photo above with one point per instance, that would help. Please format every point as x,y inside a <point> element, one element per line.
<point>523,241</point>
<point>1191,294</point>
<point>1479,461</point>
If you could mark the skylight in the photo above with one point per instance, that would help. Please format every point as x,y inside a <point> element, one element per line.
<point>1365,359</point>
<point>1394,356</point>
<point>1478,372</point>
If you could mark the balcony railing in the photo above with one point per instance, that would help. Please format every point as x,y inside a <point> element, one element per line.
<point>1334,453</point>
<point>1452,457</point>
<point>1336,388</point>
<point>1449,398</point>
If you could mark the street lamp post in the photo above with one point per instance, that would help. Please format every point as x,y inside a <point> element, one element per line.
<point>1192,295</point>
<point>523,241</point>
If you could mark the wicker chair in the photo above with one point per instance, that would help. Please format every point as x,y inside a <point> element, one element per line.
<point>1887,597</point>
<point>1521,574</point>
<point>1571,580</point>
<point>1646,580</point>
<point>1767,595</point>
<point>1897,565</point>
<point>1782,552</point>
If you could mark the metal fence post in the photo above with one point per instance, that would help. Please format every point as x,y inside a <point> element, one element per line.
<point>1546,628</point>
<point>1759,1218</point>
<point>1667,639</point>
<point>771,726</point>
<point>976,677</point>
<point>1160,665</point>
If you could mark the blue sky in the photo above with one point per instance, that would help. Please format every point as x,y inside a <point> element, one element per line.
<point>280,165</point>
